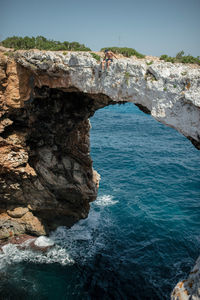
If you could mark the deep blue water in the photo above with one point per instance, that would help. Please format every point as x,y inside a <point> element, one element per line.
<point>142,234</point>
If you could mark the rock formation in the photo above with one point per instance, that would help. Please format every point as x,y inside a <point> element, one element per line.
<point>189,289</point>
<point>46,98</point>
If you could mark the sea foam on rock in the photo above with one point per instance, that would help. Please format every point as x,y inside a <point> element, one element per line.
<point>43,242</point>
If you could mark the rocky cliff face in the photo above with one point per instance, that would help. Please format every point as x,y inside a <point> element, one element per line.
<point>46,98</point>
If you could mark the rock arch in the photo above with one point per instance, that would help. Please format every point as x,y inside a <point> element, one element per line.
<point>46,174</point>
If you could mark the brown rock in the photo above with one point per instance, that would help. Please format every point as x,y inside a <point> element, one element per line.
<point>4,123</point>
<point>44,150</point>
<point>9,228</point>
<point>16,240</point>
<point>32,224</point>
<point>18,212</point>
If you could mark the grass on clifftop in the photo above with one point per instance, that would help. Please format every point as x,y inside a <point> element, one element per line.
<point>128,52</point>
<point>41,43</point>
<point>96,56</point>
<point>181,58</point>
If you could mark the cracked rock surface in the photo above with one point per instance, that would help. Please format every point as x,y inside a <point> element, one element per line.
<point>170,92</point>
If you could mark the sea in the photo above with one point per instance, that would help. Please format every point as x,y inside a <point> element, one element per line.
<point>142,235</point>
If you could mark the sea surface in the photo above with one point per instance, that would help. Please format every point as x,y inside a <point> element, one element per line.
<point>142,234</point>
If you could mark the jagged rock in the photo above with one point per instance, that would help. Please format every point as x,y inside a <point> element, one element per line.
<point>32,224</point>
<point>46,99</point>
<point>171,92</point>
<point>17,212</point>
<point>9,228</point>
<point>188,289</point>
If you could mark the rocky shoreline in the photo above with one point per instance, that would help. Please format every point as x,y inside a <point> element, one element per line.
<point>25,241</point>
<point>46,99</point>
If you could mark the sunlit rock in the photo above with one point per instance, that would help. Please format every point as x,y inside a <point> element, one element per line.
<point>46,173</point>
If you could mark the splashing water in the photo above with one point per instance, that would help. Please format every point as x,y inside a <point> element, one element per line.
<point>11,254</point>
<point>105,200</point>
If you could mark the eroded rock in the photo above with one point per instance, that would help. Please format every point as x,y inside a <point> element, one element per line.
<point>46,99</point>
<point>17,212</point>
<point>190,287</point>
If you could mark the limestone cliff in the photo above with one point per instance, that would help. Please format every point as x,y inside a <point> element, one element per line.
<point>46,98</point>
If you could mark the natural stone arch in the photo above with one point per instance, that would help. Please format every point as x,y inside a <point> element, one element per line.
<point>47,177</point>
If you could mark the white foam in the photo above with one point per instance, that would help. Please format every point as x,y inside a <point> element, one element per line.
<point>11,254</point>
<point>79,243</point>
<point>43,242</point>
<point>83,239</point>
<point>105,200</point>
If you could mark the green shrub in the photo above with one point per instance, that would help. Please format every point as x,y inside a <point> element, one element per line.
<point>184,73</point>
<point>128,52</point>
<point>149,63</point>
<point>96,56</point>
<point>127,77</point>
<point>163,57</point>
<point>41,43</point>
<point>180,54</point>
<point>180,58</point>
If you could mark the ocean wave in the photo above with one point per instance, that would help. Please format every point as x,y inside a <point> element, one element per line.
<point>84,239</point>
<point>12,254</point>
<point>79,243</point>
<point>105,200</point>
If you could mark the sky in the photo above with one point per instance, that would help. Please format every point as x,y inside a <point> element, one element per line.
<point>152,27</point>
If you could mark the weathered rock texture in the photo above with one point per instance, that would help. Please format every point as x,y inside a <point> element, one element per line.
<point>189,289</point>
<point>46,98</point>
<point>170,92</point>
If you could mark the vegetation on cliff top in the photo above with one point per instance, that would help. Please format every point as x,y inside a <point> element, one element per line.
<point>41,43</point>
<point>181,58</point>
<point>96,56</point>
<point>128,52</point>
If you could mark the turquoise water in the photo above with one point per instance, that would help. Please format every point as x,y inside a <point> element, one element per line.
<point>142,234</point>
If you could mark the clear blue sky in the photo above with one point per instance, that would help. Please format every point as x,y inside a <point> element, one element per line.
<point>152,27</point>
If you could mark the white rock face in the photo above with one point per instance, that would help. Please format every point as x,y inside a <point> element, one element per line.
<point>189,288</point>
<point>170,92</point>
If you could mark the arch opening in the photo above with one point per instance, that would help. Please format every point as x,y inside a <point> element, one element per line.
<point>47,171</point>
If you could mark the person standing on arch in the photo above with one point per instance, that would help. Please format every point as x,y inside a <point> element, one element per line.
<point>108,58</point>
